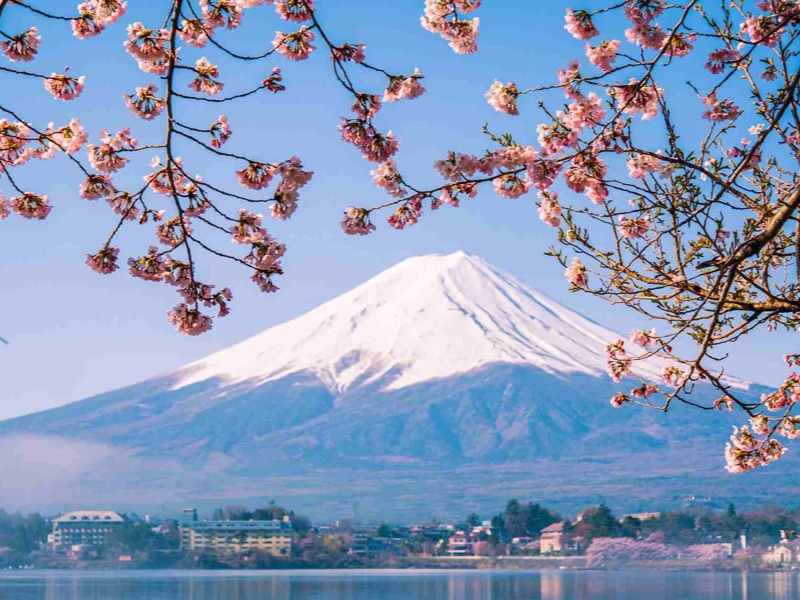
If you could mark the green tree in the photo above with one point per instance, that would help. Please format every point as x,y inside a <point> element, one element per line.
<point>384,531</point>
<point>538,518</point>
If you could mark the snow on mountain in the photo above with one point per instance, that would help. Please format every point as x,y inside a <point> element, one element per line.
<point>426,318</point>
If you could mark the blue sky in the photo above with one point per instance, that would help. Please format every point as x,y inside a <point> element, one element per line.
<point>74,333</point>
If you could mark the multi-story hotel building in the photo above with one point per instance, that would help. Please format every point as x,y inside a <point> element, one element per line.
<point>84,528</point>
<point>231,537</point>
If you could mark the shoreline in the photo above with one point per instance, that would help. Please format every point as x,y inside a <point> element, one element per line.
<point>420,564</point>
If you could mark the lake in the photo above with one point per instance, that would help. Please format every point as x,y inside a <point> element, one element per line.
<point>391,584</point>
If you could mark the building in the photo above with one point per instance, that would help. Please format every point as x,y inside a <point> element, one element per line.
<point>459,544</point>
<point>552,538</point>
<point>84,528</point>
<point>784,554</point>
<point>359,544</point>
<point>233,537</point>
<point>642,516</point>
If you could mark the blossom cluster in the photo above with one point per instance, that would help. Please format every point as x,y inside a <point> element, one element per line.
<point>444,18</point>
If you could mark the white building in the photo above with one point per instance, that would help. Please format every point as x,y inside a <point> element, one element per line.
<point>84,528</point>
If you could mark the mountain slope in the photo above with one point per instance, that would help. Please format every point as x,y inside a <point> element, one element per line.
<point>401,392</point>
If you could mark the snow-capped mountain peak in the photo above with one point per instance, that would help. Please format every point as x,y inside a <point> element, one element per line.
<point>426,318</point>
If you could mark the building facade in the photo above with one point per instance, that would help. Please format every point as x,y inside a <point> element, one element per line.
<point>785,554</point>
<point>234,537</point>
<point>552,538</point>
<point>84,528</point>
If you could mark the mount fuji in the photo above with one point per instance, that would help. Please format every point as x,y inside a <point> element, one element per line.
<point>440,386</point>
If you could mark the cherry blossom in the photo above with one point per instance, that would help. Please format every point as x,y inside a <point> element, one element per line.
<point>206,80</point>
<point>144,103</point>
<point>603,55</point>
<point>404,88</point>
<point>31,206</point>
<point>580,25</point>
<point>105,261</point>
<point>22,47</point>
<point>295,46</point>
<point>442,17</point>
<point>503,98</point>
<point>576,274</point>
<point>549,208</point>
<point>64,87</point>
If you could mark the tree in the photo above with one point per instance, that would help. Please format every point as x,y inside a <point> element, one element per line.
<point>687,222</point>
<point>515,519</point>
<point>599,522</point>
<point>384,531</point>
<point>538,518</point>
<point>473,520</point>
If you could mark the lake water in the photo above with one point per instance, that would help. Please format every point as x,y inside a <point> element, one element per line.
<point>390,584</point>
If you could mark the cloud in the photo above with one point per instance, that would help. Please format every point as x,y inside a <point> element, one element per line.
<point>40,472</point>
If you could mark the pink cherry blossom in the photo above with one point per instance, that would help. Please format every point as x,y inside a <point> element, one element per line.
<point>720,110</point>
<point>569,79</point>
<point>549,208</point>
<point>188,320</point>
<point>221,13</point>
<point>511,185</point>
<point>387,177</point>
<point>639,165</point>
<point>64,87</point>
<point>349,52</point>
<point>97,186</point>
<point>248,230</point>
<point>31,206</point>
<point>603,55</point>
<point>366,106</point>
<point>147,45</point>
<point>105,261</point>
<point>144,103</point>
<point>70,138</point>
<point>634,227</point>
<point>719,58</point>
<point>106,157</point>
<point>404,87</point>
<point>580,25</point>
<point>638,98</point>
<point>407,213</point>
<point>646,35</point>
<point>441,17</point>
<point>295,46</point>
<point>194,32</point>
<point>619,399</point>
<point>220,132</point>
<point>22,47</point>
<point>762,30</point>
<point>255,176</point>
<point>295,10</point>
<point>576,274</point>
<point>503,98</point>
<point>206,78</point>
<point>356,221</point>
<point>284,205</point>
<point>173,232</point>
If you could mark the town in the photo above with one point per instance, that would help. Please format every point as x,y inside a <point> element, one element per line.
<point>523,535</point>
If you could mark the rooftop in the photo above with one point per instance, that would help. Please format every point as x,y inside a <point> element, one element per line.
<point>554,528</point>
<point>107,516</point>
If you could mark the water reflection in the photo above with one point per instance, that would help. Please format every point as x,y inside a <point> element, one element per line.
<point>446,585</point>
